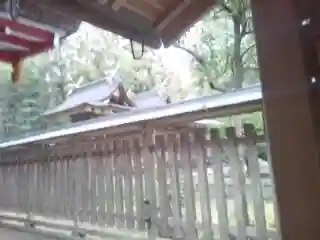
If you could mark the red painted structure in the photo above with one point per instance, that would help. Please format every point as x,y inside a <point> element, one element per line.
<point>24,38</point>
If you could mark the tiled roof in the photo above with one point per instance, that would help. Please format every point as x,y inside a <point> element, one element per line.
<point>94,93</point>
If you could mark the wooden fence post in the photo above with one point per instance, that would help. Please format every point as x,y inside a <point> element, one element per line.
<point>238,181</point>
<point>255,182</point>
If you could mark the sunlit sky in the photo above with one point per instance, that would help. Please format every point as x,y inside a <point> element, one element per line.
<point>176,61</point>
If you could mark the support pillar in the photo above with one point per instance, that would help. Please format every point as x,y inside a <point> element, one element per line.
<point>289,117</point>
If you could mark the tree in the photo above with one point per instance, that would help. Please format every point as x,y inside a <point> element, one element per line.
<point>225,57</point>
<point>224,54</point>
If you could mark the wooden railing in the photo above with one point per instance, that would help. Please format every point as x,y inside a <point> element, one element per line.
<point>190,183</point>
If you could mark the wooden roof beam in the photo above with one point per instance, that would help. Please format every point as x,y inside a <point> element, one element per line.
<point>145,8</point>
<point>170,15</point>
<point>156,4</point>
<point>118,4</point>
<point>181,17</point>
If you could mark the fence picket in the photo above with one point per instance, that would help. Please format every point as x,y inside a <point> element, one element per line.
<point>85,189</point>
<point>119,184</point>
<point>101,188</point>
<point>162,184</point>
<point>138,182</point>
<point>175,186</point>
<point>110,181</point>
<point>254,174</point>
<point>150,201</point>
<point>199,140</point>
<point>149,182</point>
<point>93,189</point>
<point>219,184</point>
<point>55,197</point>
<point>128,191</point>
<point>188,185</point>
<point>238,181</point>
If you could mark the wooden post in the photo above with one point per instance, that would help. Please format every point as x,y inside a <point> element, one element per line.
<point>289,118</point>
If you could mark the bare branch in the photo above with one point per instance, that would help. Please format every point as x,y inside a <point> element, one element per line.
<point>196,56</point>
<point>213,87</point>
<point>225,7</point>
<point>247,50</point>
<point>246,32</point>
<point>244,28</point>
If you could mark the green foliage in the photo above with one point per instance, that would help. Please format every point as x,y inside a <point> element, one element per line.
<point>92,54</point>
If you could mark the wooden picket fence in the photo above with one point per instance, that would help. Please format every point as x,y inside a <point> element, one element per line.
<point>154,184</point>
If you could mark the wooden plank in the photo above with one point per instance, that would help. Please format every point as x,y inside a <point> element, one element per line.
<point>110,181</point>
<point>79,187</point>
<point>144,9</point>
<point>101,188</point>
<point>174,10</point>
<point>159,4</point>
<point>57,187</point>
<point>138,182</point>
<point>64,188</point>
<point>11,197</point>
<point>72,187</point>
<point>119,185</point>
<point>87,188</point>
<point>149,181</point>
<point>2,189</point>
<point>219,184</point>
<point>67,202</point>
<point>18,175</point>
<point>5,182</point>
<point>26,187</point>
<point>5,188</point>
<point>40,188</point>
<point>12,186</point>
<point>61,185</point>
<point>256,186</point>
<point>45,187</point>
<point>33,187</point>
<point>76,189</point>
<point>238,180</point>
<point>93,189</point>
<point>199,139</point>
<point>50,185</point>
<point>164,203</point>
<point>175,187</point>
<point>85,216</point>
<point>189,199</point>
<point>49,190</point>
<point>128,188</point>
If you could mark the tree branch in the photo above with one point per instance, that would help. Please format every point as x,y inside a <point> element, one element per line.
<point>246,32</point>
<point>244,28</point>
<point>196,56</point>
<point>213,87</point>
<point>225,7</point>
<point>247,50</point>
